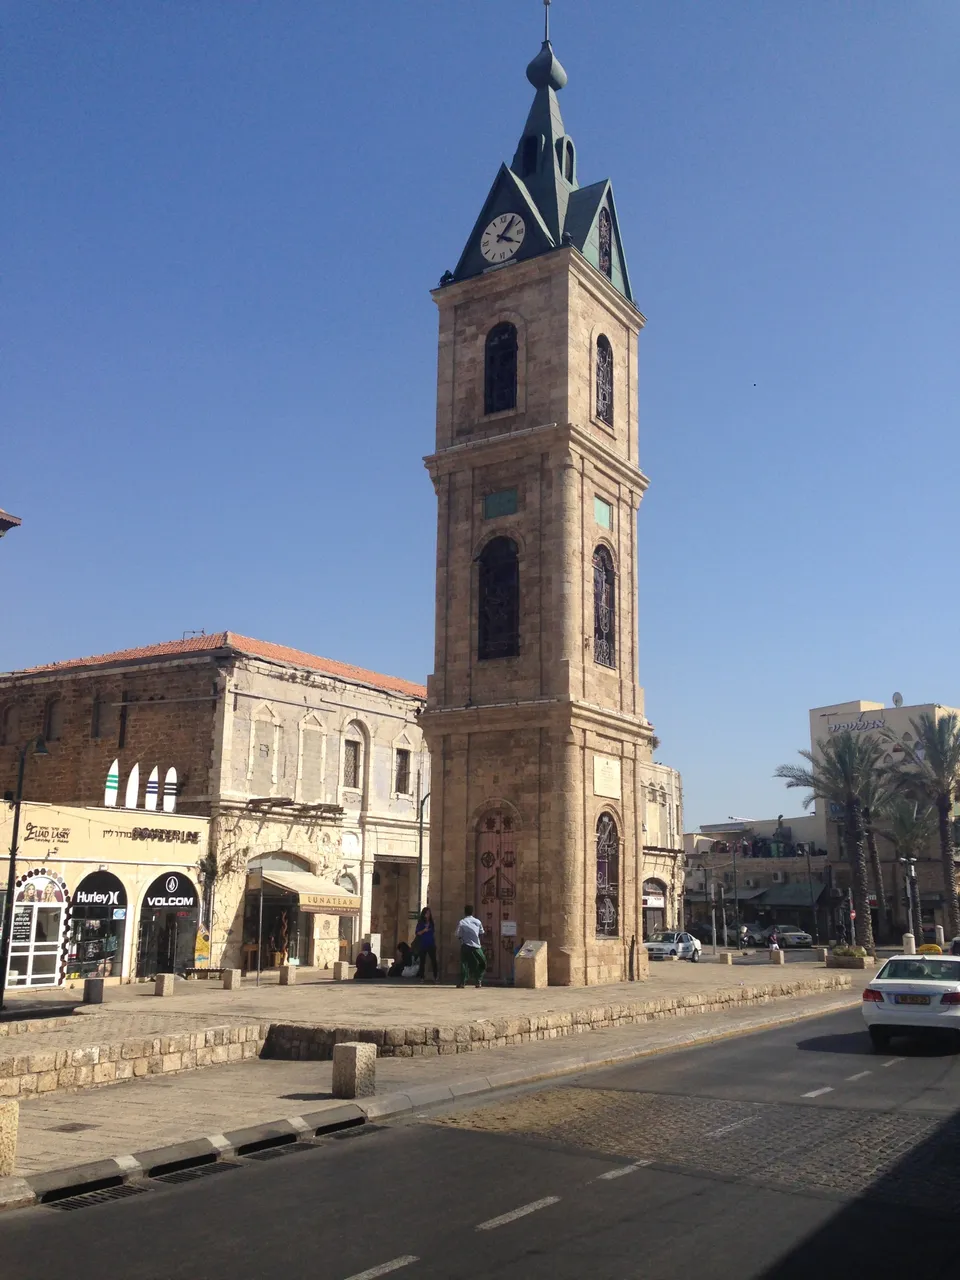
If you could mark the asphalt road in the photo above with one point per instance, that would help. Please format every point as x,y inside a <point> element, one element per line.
<point>794,1152</point>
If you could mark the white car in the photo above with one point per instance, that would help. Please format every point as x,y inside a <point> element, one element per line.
<point>912,994</point>
<point>788,935</point>
<point>684,945</point>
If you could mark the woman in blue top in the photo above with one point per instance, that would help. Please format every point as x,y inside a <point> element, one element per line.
<point>425,942</point>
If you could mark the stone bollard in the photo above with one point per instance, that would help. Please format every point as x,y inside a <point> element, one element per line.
<point>909,945</point>
<point>231,979</point>
<point>530,965</point>
<point>343,970</point>
<point>822,954</point>
<point>163,985</point>
<point>354,1070</point>
<point>288,975</point>
<point>93,991</point>
<point>940,936</point>
<point>726,957</point>
<point>9,1119</point>
<point>777,957</point>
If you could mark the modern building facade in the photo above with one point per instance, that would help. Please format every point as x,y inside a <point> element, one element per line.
<point>541,750</point>
<point>310,772</point>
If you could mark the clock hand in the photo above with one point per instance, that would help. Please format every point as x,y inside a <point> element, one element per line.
<point>503,235</point>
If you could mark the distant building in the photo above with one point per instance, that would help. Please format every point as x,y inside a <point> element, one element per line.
<point>7,522</point>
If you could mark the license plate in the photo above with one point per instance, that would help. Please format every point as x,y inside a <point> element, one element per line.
<point>911,1000</point>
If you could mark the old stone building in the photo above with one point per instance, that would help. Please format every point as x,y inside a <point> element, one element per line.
<point>305,767</point>
<point>534,717</point>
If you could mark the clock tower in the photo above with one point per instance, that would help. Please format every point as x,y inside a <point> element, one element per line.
<point>534,715</point>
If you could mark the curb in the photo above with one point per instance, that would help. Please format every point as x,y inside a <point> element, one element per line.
<point>57,1184</point>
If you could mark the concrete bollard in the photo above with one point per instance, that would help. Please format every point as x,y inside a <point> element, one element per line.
<point>343,970</point>
<point>726,957</point>
<point>231,979</point>
<point>909,945</point>
<point>530,965</point>
<point>9,1119</point>
<point>777,957</point>
<point>288,975</point>
<point>822,954</point>
<point>164,983</point>
<point>93,991</point>
<point>940,936</point>
<point>354,1070</point>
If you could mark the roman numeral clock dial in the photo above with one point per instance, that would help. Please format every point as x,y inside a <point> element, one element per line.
<point>503,237</point>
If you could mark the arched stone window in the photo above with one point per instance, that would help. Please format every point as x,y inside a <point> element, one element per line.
<point>605,237</point>
<point>604,609</point>
<point>53,720</point>
<point>605,380</point>
<point>499,600</point>
<point>608,877</point>
<point>500,369</point>
<point>9,725</point>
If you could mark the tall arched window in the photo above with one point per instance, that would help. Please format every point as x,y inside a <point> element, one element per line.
<point>500,369</point>
<point>604,609</point>
<point>499,600</point>
<point>605,236</point>
<point>9,725</point>
<point>53,720</point>
<point>529,155</point>
<point>605,380</point>
<point>608,877</point>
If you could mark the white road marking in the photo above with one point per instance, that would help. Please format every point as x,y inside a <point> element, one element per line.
<point>514,1214</point>
<point>729,1128</point>
<point>385,1268</point>
<point>859,1075</point>
<point>619,1173</point>
<point>892,1063</point>
<point>815,1093</point>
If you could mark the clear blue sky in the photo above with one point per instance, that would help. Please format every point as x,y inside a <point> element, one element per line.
<point>220,224</point>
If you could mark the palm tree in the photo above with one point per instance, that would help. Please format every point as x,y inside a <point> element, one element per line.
<point>874,793</point>
<point>931,767</point>
<point>839,774</point>
<point>910,827</point>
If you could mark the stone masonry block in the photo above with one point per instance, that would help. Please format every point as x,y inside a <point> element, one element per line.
<point>231,979</point>
<point>9,1120</point>
<point>163,986</point>
<point>288,975</point>
<point>354,1070</point>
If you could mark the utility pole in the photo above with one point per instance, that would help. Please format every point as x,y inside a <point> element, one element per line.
<point>736,891</point>
<point>813,907</point>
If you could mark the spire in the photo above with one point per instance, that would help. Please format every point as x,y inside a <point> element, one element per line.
<point>545,159</point>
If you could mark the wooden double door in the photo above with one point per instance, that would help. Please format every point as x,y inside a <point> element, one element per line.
<point>497,892</point>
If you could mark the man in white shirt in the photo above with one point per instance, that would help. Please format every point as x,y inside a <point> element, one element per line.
<point>473,963</point>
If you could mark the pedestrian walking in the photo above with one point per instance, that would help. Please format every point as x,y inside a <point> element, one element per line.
<point>425,943</point>
<point>473,963</point>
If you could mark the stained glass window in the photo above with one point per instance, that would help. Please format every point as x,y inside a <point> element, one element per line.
<point>499,600</point>
<point>608,877</point>
<point>605,380</point>
<point>604,609</point>
<point>605,235</point>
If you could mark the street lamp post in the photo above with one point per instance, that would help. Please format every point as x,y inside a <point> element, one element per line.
<point>736,890</point>
<point>39,749</point>
<point>813,906</point>
<point>420,854</point>
<point>914,918</point>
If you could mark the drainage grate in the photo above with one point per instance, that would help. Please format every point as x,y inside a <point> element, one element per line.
<point>73,1127</point>
<point>357,1131</point>
<point>198,1171</point>
<point>274,1153</point>
<point>122,1192</point>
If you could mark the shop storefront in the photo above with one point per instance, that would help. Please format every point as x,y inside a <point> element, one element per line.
<point>169,918</point>
<point>654,907</point>
<point>40,907</point>
<point>98,924</point>
<point>289,914</point>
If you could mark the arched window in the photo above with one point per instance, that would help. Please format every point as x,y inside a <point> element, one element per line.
<point>604,609</point>
<point>9,725</point>
<point>528,155</point>
<point>500,369</point>
<point>569,170</point>
<point>608,877</point>
<point>605,380</point>
<point>499,600</point>
<point>53,720</point>
<point>605,237</point>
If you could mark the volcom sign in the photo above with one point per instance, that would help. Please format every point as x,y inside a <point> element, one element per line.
<point>172,891</point>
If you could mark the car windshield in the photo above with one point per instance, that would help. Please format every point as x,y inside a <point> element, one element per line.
<point>927,969</point>
<point>664,937</point>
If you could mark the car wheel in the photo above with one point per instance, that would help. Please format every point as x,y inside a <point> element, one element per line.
<point>673,953</point>
<point>879,1038</point>
<point>694,955</point>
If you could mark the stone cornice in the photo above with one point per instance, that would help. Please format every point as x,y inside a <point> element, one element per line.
<point>561,712</point>
<point>551,435</point>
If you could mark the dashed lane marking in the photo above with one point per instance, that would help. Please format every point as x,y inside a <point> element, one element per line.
<point>858,1076</point>
<point>516,1213</point>
<point>385,1268</point>
<point>892,1063</point>
<point>816,1093</point>
<point>729,1128</point>
<point>621,1172</point>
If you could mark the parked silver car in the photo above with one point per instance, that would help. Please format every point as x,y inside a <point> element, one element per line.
<point>683,945</point>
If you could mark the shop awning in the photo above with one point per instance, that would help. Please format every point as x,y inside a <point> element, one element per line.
<point>312,892</point>
<point>791,895</point>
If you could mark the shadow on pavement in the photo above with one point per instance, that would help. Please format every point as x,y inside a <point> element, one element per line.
<point>904,1223</point>
<point>857,1043</point>
<point>321,1096</point>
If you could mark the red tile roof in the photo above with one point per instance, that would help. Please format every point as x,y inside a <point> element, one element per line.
<point>8,521</point>
<point>245,645</point>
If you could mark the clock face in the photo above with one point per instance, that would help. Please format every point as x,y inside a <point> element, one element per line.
<point>503,237</point>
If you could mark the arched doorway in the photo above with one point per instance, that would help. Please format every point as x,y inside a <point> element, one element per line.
<point>169,917</point>
<point>497,891</point>
<point>97,927</point>
<point>654,907</point>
